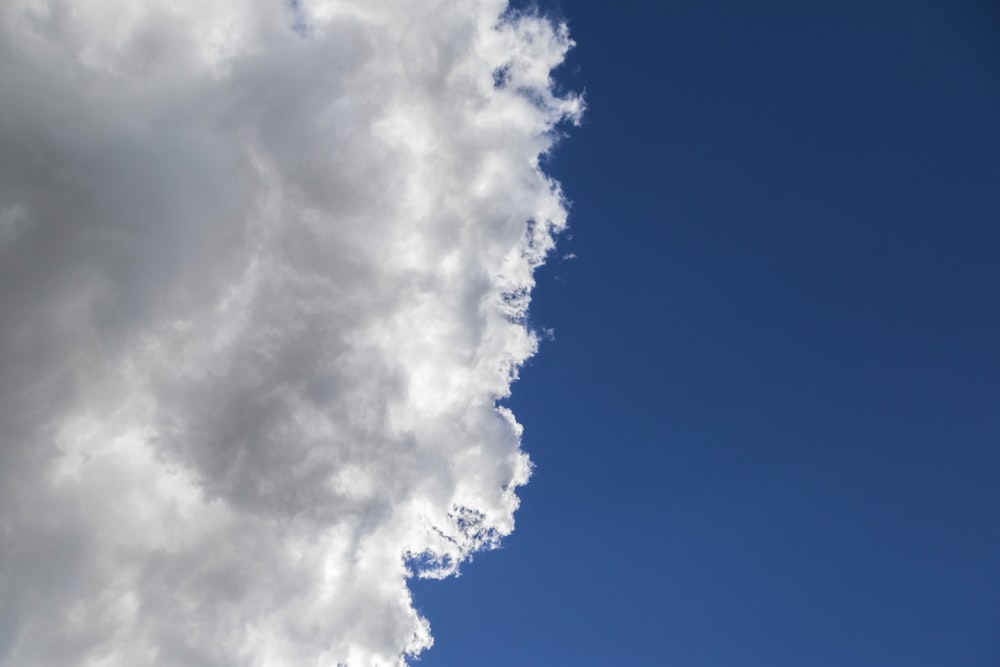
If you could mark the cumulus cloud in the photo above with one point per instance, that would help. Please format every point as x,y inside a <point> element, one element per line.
<point>264,272</point>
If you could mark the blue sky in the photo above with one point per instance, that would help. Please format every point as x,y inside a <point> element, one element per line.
<point>768,429</point>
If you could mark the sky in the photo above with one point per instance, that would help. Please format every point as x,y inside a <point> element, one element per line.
<point>671,328</point>
<point>767,432</point>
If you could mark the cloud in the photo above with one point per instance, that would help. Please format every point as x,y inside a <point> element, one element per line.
<point>264,271</point>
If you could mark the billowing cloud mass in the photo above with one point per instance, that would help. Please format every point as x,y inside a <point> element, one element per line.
<point>264,271</point>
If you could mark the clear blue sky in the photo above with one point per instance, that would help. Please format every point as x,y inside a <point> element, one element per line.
<point>768,431</point>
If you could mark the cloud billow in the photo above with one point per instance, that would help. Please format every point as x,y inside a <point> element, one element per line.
<point>264,272</point>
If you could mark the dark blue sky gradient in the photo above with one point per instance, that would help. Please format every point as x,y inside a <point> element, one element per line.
<point>768,431</point>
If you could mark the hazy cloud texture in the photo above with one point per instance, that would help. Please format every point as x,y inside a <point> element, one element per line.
<point>264,269</point>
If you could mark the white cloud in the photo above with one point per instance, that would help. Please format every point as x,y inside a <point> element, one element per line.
<point>263,276</point>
